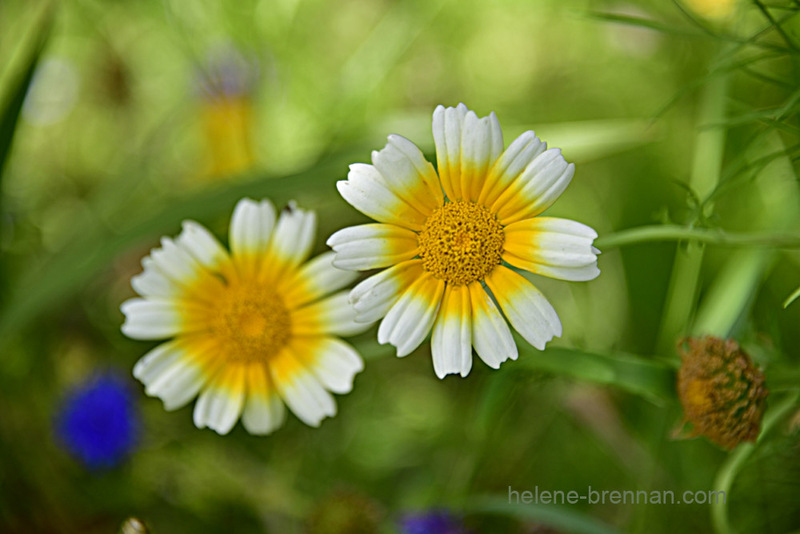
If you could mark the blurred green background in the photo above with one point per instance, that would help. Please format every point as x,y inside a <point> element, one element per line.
<point>143,113</point>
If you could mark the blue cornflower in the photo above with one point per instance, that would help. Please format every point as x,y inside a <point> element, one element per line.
<point>98,422</point>
<point>432,522</point>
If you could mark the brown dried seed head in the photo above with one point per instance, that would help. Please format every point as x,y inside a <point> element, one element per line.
<point>722,392</point>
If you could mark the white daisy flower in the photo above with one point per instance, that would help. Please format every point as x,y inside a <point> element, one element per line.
<point>452,239</point>
<point>250,329</point>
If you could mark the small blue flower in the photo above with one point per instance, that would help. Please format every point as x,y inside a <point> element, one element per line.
<point>98,422</point>
<point>432,522</point>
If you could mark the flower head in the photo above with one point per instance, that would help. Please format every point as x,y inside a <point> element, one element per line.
<point>451,241</point>
<point>251,328</point>
<point>98,422</point>
<point>721,391</point>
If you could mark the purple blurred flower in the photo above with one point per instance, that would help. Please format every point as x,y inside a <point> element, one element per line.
<point>98,422</point>
<point>432,522</point>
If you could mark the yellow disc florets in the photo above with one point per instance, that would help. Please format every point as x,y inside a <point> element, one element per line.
<point>252,322</point>
<point>461,242</point>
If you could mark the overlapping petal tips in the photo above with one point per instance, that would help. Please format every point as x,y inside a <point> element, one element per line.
<point>557,248</point>
<point>466,147</point>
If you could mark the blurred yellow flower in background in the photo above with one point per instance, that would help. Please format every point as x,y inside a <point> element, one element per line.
<point>712,9</point>
<point>226,98</point>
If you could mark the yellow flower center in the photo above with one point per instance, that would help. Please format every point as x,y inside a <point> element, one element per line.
<point>252,321</point>
<point>461,242</point>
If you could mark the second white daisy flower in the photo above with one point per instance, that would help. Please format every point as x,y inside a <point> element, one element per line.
<point>249,330</point>
<point>450,240</point>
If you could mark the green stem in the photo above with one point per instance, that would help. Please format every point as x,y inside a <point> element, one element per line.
<point>673,232</point>
<point>706,169</point>
<point>735,461</point>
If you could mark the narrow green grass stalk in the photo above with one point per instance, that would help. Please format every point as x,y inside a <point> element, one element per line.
<point>709,149</point>
<point>673,232</point>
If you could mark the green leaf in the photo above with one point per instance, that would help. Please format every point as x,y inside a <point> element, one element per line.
<point>792,297</point>
<point>13,96</point>
<point>650,378</point>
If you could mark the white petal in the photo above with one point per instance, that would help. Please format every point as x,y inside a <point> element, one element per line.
<point>336,364</point>
<point>527,309</point>
<point>263,410</point>
<point>173,373</point>
<point>157,361</point>
<point>331,315</point>
<point>152,282</point>
<point>175,262</point>
<point>315,278</point>
<point>408,174</point>
<point>304,395</point>
<point>536,189</point>
<point>220,404</point>
<point>481,144</point>
<point>203,246</point>
<point>179,384</point>
<point>511,163</point>
<point>151,318</point>
<point>373,297</point>
<point>251,226</point>
<point>451,341</point>
<point>293,239</point>
<point>447,126</point>
<point>410,319</point>
<point>491,336</point>
<point>366,191</point>
<point>372,246</point>
<point>558,248</point>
